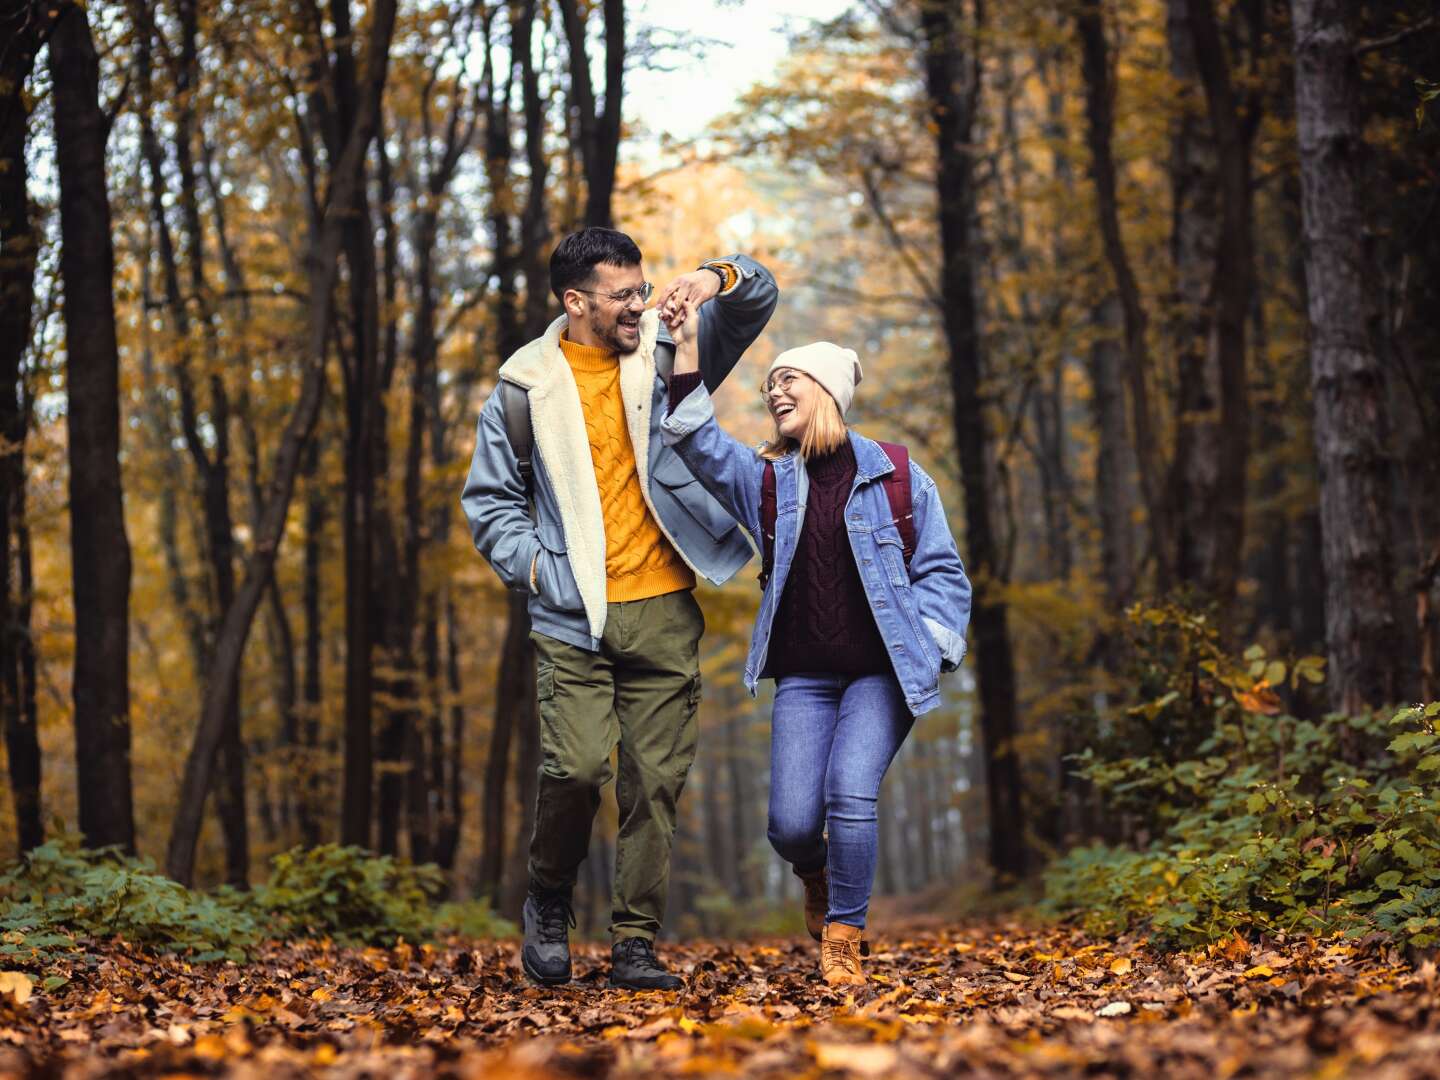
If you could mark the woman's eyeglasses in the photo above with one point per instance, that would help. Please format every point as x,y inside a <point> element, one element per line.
<point>781,381</point>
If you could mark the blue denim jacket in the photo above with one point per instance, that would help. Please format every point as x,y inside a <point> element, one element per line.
<point>557,552</point>
<point>922,615</point>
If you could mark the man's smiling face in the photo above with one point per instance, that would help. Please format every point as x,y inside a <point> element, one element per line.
<point>611,324</point>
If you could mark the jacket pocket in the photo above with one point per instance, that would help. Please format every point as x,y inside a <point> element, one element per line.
<point>675,477</point>
<point>552,572</point>
<point>891,551</point>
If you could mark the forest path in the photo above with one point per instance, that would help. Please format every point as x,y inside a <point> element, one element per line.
<point>995,998</point>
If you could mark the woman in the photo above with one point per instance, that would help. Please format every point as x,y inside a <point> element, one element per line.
<point>855,638</point>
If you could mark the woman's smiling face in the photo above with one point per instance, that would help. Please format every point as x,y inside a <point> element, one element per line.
<point>791,398</point>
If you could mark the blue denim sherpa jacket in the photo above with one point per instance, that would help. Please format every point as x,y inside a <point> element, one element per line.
<point>565,539</point>
<point>922,614</point>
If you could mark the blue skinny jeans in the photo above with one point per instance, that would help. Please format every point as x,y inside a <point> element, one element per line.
<point>832,737</point>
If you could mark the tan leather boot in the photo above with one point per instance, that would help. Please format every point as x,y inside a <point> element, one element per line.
<point>840,955</point>
<point>817,899</point>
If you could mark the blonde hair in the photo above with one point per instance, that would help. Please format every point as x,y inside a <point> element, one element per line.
<point>824,434</point>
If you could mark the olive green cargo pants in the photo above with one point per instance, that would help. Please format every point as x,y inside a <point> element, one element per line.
<point>639,691</point>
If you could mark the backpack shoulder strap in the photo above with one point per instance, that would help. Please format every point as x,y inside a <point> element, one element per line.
<point>768,514</point>
<point>897,490</point>
<point>515,404</point>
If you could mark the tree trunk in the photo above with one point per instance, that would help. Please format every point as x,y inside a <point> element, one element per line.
<point>322,261</point>
<point>918,810</point>
<point>20,715</point>
<point>432,696</point>
<point>316,507</point>
<point>1210,550</point>
<point>599,133</point>
<point>449,840</point>
<point>22,738</point>
<point>740,870</point>
<point>425,780</point>
<point>282,655</point>
<point>516,659</point>
<point>951,104</point>
<point>515,679</point>
<point>527,780</point>
<point>1100,117</point>
<point>1048,416</point>
<point>1112,496</point>
<point>886,873</point>
<point>212,467</point>
<point>393,605</point>
<point>99,548</point>
<point>1348,383</point>
<point>280,634</point>
<point>1194,246</point>
<point>1274,600</point>
<point>19,246</point>
<point>534,227</point>
<point>360,364</point>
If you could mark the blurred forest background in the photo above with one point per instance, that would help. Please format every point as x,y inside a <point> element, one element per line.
<point>1150,287</point>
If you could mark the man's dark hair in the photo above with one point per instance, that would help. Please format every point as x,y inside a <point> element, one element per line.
<point>573,262</point>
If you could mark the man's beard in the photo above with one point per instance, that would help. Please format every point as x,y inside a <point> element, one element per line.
<point>609,335</point>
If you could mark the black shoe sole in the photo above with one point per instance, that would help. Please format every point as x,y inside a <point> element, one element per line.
<point>635,986</point>
<point>542,980</point>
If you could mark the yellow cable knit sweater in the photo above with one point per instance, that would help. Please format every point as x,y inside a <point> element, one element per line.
<point>639,561</point>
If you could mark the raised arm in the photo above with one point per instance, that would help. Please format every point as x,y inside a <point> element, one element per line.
<point>730,322</point>
<point>726,467</point>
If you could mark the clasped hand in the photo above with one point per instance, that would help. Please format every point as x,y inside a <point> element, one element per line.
<point>683,296</point>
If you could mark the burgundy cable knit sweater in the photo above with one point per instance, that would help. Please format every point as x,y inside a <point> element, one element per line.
<point>824,622</point>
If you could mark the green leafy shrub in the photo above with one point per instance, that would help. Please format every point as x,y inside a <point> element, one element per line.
<point>348,894</point>
<point>1155,760</point>
<point>1245,818</point>
<point>470,919</point>
<point>60,897</point>
<point>59,892</point>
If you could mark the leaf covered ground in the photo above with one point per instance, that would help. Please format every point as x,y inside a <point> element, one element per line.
<point>995,999</point>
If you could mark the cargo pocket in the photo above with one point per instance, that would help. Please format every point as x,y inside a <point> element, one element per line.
<point>544,681</point>
<point>687,732</point>
<point>545,702</point>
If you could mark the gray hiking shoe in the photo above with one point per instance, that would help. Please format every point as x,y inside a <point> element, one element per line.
<point>545,955</point>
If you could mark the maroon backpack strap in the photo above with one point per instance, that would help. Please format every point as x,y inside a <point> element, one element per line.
<point>897,490</point>
<point>768,514</point>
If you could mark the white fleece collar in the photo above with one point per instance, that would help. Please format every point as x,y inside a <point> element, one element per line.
<point>563,444</point>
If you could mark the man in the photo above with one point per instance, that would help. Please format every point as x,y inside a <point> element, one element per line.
<point>618,534</point>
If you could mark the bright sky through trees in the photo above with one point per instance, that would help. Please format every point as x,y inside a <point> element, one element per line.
<point>748,38</point>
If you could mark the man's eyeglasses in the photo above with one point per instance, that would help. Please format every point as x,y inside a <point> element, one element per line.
<point>642,292</point>
<point>781,380</point>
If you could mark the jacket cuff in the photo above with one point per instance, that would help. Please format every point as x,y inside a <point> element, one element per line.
<point>681,387</point>
<point>729,269</point>
<point>950,644</point>
<point>690,414</point>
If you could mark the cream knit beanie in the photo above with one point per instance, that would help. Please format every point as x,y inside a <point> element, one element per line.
<point>834,368</point>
